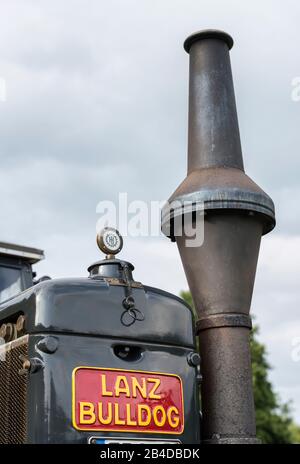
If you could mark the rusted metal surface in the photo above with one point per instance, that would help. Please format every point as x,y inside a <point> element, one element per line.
<point>218,188</point>
<point>13,393</point>
<point>8,332</point>
<point>223,320</point>
<point>20,325</point>
<point>220,272</point>
<point>216,177</point>
<point>227,399</point>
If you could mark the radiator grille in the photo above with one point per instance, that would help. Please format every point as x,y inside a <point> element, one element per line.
<point>13,393</point>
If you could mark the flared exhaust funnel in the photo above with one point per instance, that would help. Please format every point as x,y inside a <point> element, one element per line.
<point>235,214</point>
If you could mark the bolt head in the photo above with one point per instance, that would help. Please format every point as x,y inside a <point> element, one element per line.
<point>48,345</point>
<point>194,359</point>
<point>20,324</point>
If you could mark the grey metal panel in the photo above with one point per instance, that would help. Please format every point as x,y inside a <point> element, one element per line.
<point>93,307</point>
<point>32,255</point>
<point>50,399</point>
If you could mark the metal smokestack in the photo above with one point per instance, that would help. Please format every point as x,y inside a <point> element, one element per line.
<point>237,213</point>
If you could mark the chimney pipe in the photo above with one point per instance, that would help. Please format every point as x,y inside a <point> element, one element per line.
<point>221,271</point>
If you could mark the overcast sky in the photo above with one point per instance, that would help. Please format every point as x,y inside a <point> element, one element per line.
<point>96,104</point>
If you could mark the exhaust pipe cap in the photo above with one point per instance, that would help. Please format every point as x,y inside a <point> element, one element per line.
<point>208,34</point>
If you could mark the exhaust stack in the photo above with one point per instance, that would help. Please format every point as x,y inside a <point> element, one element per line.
<point>221,271</point>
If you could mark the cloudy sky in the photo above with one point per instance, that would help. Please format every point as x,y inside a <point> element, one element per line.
<point>96,104</point>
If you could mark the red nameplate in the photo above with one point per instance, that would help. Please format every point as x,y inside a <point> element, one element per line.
<point>127,401</point>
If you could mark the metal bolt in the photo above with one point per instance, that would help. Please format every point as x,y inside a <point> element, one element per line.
<point>25,366</point>
<point>8,332</point>
<point>20,324</point>
<point>3,331</point>
<point>193,359</point>
<point>36,364</point>
<point>48,345</point>
<point>30,365</point>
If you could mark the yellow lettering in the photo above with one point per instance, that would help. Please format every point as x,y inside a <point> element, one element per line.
<point>173,420</point>
<point>86,413</point>
<point>121,379</point>
<point>105,392</point>
<point>108,419</point>
<point>159,422</point>
<point>118,421</point>
<point>141,421</point>
<point>136,386</point>
<point>152,394</point>
<point>128,414</point>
